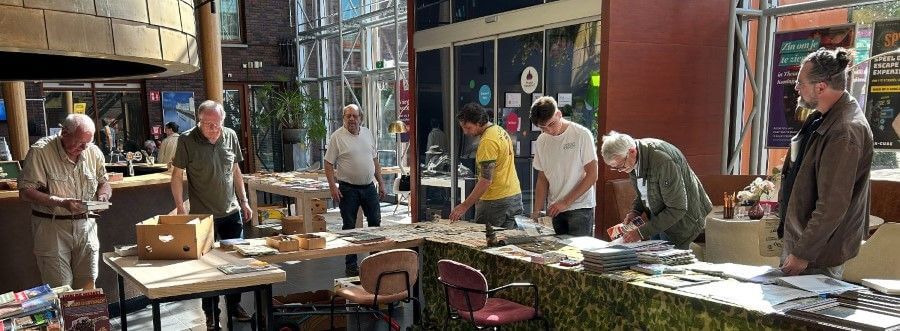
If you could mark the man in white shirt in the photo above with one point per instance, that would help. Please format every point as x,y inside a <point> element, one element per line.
<point>351,149</point>
<point>566,160</point>
<point>167,148</point>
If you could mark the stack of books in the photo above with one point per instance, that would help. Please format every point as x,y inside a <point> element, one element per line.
<point>609,259</point>
<point>667,257</point>
<point>30,308</point>
<point>84,310</point>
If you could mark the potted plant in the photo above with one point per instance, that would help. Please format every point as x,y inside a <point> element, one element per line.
<point>299,114</point>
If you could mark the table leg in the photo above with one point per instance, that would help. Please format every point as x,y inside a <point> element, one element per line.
<point>417,304</point>
<point>257,300</point>
<point>251,194</point>
<point>303,208</point>
<point>157,322</point>
<point>265,316</point>
<point>123,319</point>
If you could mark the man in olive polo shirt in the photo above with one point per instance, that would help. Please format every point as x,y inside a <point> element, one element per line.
<point>211,153</point>
<point>61,171</point>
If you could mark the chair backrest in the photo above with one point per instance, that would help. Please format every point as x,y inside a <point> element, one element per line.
<point>464,276</point>
<point>395,260</point>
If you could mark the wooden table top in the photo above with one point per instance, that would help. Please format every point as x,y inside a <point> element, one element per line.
<point>166,278</point>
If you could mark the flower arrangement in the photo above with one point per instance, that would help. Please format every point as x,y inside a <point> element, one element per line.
<point>756,190</point>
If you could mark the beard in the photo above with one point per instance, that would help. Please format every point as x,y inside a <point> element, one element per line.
<point>811,105</point>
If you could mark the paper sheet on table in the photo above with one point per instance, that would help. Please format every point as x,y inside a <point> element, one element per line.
<point>820,284</point>
<point>584,243</point>
<point>749,273</point>
<point>760,297</point>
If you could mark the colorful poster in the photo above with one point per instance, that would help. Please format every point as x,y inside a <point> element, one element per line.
<point>178,107</point>
<point>785,117</point>
<point>883,101</point>
<point>403,106</point>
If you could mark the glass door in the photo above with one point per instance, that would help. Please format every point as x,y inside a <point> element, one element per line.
<point>474,64</point>
<point>383,101</point>
<point>234,103</point>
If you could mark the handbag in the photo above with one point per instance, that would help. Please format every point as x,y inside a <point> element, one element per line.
<point>404,183</point>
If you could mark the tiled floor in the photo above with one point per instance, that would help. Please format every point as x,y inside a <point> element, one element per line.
<point>301,276</point>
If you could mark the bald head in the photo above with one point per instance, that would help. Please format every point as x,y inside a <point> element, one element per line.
<point>352,118</point>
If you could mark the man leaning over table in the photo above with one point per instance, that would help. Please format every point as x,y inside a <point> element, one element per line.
<point>351,150</point>
<point>211,153</point>
<point>60,172</point>
<point>566,161</point>
<point>824,196</point>
<point>667,189</point>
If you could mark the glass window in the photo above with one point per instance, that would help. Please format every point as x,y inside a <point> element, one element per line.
<point>469,9</point>
<point>230,21</point>
<point>573,71</point>
<point>432,13</point>
<point>350,9</point>
<point>125,114</point>
<point>266,140</point>
<point>474,65</point>
<point>516,56</point>
<point>434,122</point>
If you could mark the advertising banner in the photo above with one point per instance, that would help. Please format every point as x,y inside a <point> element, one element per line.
<point>785,117</point>
<point>883,101</point>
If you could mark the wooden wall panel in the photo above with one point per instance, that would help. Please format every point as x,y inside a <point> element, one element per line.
<point>663,71</point>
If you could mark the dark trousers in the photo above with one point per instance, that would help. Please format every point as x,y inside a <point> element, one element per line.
<point>226,227</point>
<point>352,197</point>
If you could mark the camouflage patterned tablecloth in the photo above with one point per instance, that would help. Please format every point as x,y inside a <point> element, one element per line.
<point>574,300</point>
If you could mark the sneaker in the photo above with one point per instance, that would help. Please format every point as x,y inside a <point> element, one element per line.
<point>241,315</point>
<point>351,271</point>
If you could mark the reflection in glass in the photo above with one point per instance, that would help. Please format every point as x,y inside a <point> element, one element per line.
<point>573,69</point>
<point>515,54</point>
<point>229,20</point>
<point>433,126</point>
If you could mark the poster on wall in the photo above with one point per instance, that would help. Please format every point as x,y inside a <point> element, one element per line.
<point>785,117</point>
<point>403,106</point>
<point>883,100</point>
<point>178,107</point>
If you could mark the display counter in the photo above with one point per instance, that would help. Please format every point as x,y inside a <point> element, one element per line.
<point>134,199</point>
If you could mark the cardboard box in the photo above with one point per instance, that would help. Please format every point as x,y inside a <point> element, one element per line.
<point>311,241</point>
<point>175,237</point>
<point>295,225</point>
<point>115,176</point>
<point>283,243</point>
<point>318,206</point>
<point>264,213</point>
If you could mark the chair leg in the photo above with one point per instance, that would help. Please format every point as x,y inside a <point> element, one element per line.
<point>333,297</point>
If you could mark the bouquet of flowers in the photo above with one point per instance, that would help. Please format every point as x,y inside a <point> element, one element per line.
<point>756,190</point>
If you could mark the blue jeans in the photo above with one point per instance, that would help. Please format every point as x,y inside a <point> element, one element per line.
<point>353,197</point>
<point>575,222</point>
<point>226,227</point>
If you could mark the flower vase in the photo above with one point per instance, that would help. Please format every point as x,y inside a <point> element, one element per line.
<point>756,211</point>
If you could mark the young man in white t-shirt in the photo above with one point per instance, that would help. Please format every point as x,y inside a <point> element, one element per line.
<point>566,160</point>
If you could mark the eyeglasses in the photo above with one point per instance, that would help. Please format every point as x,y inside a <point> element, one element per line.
<point>622,166</point>
<point>210,125</point>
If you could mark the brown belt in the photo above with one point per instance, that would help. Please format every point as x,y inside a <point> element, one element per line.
<point>61,217</point>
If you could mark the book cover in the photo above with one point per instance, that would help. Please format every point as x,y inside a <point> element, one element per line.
<point>84,310</point>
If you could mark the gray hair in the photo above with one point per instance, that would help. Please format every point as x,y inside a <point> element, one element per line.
<point>74,122</point>
<point>616,145</point>
<point>352,106</point>
<point>829,66</point>
<point>211,105</point>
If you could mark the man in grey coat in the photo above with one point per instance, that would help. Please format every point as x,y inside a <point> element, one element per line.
<point>824,200</point>
<point>667,189</point>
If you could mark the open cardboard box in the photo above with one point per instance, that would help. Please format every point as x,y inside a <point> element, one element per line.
<point>311,241</point>
<point>283,243</point>
<point>295,225</point>
<point>175,237</point>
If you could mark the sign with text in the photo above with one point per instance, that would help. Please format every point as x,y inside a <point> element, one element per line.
<point>883,100</point>
<point>785,116</point>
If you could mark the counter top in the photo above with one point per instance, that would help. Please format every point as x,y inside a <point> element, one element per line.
<point>143,180</point>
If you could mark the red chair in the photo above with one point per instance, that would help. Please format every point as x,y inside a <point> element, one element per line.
<point>467,296</point>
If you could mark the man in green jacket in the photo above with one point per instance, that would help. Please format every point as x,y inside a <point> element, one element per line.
<point>667,189</point>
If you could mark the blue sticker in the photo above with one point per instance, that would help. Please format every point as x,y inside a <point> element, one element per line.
<point>484,95</point>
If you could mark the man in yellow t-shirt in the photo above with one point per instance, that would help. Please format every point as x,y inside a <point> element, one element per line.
<point>497,196</point>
